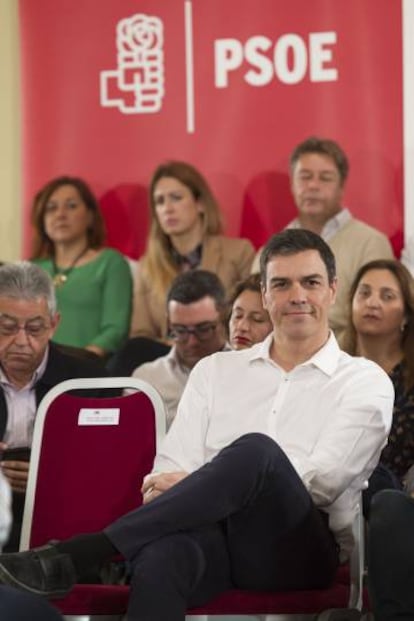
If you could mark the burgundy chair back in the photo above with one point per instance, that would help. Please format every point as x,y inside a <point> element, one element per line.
<point>88,474</point>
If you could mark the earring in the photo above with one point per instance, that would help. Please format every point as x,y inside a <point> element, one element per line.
<point>403,325</point>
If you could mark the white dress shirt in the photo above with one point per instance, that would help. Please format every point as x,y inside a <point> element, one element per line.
<point>331,415</point>
<point>21,407</point>
<point>331,227</point>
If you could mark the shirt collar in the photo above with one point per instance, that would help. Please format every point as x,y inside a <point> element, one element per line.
<point>190,260</point>
<point>331,227</point>
<point>326,358</point>
<point>38,373</point>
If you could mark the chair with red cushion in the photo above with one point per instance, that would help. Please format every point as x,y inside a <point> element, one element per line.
<point>88,460</point>
<point>83,476</point>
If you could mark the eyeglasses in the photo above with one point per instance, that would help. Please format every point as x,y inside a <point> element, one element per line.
<point>34,328</point>
<point>202,331</point>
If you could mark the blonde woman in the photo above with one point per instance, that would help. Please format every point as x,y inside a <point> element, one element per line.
<point>185,233</point>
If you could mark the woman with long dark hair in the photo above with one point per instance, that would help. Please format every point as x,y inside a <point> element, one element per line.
<point>382,329</point>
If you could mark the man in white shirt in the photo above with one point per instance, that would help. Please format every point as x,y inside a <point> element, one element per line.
<point>256,484</point>
<point>196,307</point>
<point>318,173</point>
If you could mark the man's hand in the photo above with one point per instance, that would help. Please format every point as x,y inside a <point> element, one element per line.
<point>155,484</point>
<point>16,472</point>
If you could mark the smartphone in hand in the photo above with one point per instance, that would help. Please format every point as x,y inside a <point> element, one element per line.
<point>18,453</point>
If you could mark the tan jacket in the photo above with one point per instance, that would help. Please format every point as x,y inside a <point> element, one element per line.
<point>229,258</point>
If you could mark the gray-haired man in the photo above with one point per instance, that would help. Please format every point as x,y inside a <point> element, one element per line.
<point>29,366</point>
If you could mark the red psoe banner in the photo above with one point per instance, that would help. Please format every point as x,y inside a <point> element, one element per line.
<point>111,89</point>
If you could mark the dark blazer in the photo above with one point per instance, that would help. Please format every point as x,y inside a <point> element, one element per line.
<point>60,366</point>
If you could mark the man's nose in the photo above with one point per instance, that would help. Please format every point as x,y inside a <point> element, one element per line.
<point>21,337</point>
<point>313,182</point>
<point>297,294</point>
<point>191,338</point>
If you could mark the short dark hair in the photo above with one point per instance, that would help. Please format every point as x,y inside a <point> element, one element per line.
<point>322,146</point>
<point>195,285</point>
<point>251,283</point>
<point>293,241</point>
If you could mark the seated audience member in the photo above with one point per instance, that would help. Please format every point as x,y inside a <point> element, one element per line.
<point>318,172</point>
<point>382,330</point>
<point>93,283</point>
<point>29,366</point>
<point>256,484</point>
<point>196,304</point>
<point>185,234</point>
<point>249,322</point>
<point>15,605</point>
<point>391,556</point>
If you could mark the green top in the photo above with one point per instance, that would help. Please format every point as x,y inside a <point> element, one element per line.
<point>94,302</point>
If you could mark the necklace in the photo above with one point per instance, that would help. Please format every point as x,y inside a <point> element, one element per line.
<point>60,276</point>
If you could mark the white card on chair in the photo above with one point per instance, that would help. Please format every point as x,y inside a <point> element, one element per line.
<point>101,416</point>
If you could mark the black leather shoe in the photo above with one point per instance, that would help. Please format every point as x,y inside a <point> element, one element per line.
<point>43,571</point>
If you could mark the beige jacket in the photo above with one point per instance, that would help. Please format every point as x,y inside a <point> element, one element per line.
<point>229,258</point>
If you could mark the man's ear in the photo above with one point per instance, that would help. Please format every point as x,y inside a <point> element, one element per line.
<point>54,322</point>
<point>334,289</point>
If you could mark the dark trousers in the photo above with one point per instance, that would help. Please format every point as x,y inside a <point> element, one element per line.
<point>244,520</point>
<point>381,478</point>
<point>391,556</point>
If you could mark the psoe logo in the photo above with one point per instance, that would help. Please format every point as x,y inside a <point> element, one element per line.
<point>137,85</point>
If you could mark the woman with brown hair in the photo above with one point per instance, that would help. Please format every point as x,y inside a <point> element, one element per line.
<point>382,329</point>
<point>93,283</point>
<point>185,233</point>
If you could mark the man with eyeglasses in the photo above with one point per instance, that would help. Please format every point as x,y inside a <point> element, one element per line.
<point>30,365</point>
<point>196,305</point>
